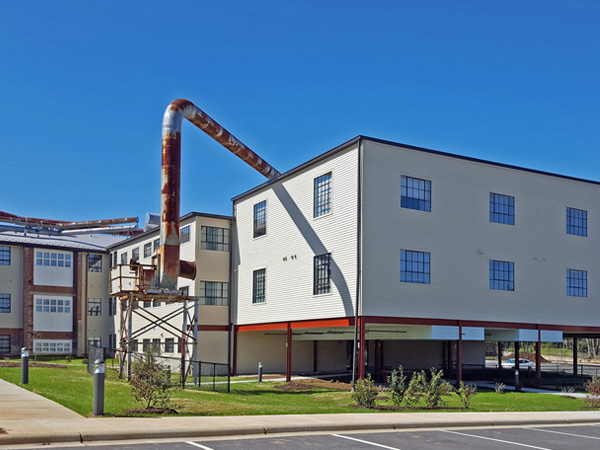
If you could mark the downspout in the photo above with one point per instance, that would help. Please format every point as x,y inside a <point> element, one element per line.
<point>358,263</point>
<point>168,252</point>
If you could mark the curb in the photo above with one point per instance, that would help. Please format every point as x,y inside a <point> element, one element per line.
<point>192,432</point>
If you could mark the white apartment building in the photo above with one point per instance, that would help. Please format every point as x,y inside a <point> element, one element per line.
<point>205,240</point>
<point>53,293</point>
<point>421,255</point>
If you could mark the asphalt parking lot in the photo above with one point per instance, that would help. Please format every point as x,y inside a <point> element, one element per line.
<point>584,437</point>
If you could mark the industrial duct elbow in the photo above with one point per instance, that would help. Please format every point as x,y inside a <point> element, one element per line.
<point>168,252</point>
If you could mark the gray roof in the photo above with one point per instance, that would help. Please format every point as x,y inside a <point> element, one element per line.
<point>93,242</point>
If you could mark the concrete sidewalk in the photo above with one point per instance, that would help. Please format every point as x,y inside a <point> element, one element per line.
<point>28,418</point>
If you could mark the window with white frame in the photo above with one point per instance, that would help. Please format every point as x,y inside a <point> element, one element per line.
<point>59,346</point>
<point>94,263</point>
<point>577,222</point>
<point>214,238</point>
<point>155,244</point>
<point>260,219</point>
<point>214,293</point>
<point>5,303</point>
<point>415,267</point>
<point>576,283</point>
<point>185,290</point>
<point>322,274</point>
<point>94,306</point>
<point>4,255</point>
<point>53,313</point>
<point>322,195</point>
<point>169,345</point>
<point>53,305</point>
<point>258,286</point>
<point>148,250</point>
<point>52,259</point>
<point>502,275</point>
<point>124,258</point>
<point>415,193</point>
<point>4,343</point>
<point>185,234</point>
<point>135,253</point>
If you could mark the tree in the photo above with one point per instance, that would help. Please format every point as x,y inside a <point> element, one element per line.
<point>149,382</point>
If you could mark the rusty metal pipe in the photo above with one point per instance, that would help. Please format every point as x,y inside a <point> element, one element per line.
<point>171,177</point>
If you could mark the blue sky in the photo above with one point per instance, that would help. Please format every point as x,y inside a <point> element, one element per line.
<point>84,86</point>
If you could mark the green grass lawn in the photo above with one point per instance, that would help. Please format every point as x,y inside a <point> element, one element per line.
<point>73,387</point>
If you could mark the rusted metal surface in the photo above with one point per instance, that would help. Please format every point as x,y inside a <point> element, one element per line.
<point>34,221</point>
<point>168,252</point>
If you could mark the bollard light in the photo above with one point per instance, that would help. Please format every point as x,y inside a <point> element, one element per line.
<point>260,371</point>
<point>517,384</point>
<point>99,377</point>
<point>24,365</point>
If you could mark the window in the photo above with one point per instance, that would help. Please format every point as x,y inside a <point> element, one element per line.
<point>94,306</point>
<point>95,263</point>
<point>4,343</point>
<point>94,341</point>
<point>576,283</point>
<point>215,239</point>
<point>156,344</point>
<point>135,253</point>
<point>260,219</point>
<point>185,290</point>
<point>502,209</point>
<point>214,293</point>
<point>135,346</point>
<point>322,274</point>
<point>124,258</point>
<point>322,200</point>
<point>4,256</point>
<point>577,222</point>
<point>415,194</point>
<point>169,345</point>
<point>146,343</point>
<point>53,305</point>
<point>112,306</point>
<point>502,275</point>
<point>52,346</point>
<point>185,234</point>
<point>147,304</point>
<point>258,286</point>
<point>415,267</point>
<point>5,303</point>
<point>113,259</point>
<point>52,259</point>
<point>155,244</point>
<point>148,250</point>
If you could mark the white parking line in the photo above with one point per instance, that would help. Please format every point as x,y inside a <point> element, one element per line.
<point>200,446</point>
<point>562,432</point>
<point>497,440</point>
<point>365,442</point>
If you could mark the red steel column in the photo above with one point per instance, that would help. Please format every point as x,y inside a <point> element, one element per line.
<point>459,356</point>
<point>361,348</point>
<point>288,344</point>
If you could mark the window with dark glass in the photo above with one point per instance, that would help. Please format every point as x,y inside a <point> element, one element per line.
<point>94,306</point>
<point>576,283</point>
<point>95,263</point>
<point>169,345</point>
<point>260,219</point>
<point>415,267</point>
<point>135,253</point>
<point>155,244</point>
<point>577,222</point>
<point>502,209</point>
<point>156,344</point>
<point>4,343</point>
<point>146,345</point>
<point>258,286</point>
<point>4,255</point>
<point>214,238</point>
<point>415,194</point>
<point>214,293</point>
<point>5,303</point>
<point>322,194</point>
<point>322,274</point>
<point>124,258</point>
<point>185,290</point>
<point>185,234</point>
<point>502,275</point>
<point>147,250</point>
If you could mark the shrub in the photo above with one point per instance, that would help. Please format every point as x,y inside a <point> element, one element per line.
<point>365,393</point>
<point>435,388</point>
<point>397,382</point>
<point>592,387</point>
<point>465,393</point>
<point>149,383</point>
<point>499,388</point>
<point>414,391</point>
